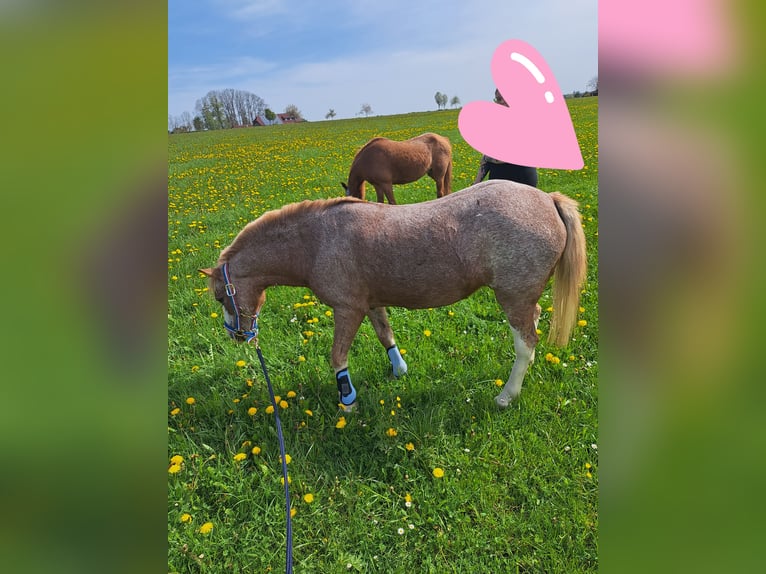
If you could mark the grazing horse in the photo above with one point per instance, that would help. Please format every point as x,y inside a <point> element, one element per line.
<point>359,257</point>
<point>384,162</point>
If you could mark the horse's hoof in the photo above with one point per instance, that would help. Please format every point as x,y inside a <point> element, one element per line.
<point>348,408</point>
<point>502,401</point>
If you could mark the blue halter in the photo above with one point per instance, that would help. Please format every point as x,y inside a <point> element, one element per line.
<point>237,330</point>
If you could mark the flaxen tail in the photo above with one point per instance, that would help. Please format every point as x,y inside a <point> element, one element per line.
<point>569,273</point>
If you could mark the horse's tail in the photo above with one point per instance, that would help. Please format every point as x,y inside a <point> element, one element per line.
<point>569,272</point>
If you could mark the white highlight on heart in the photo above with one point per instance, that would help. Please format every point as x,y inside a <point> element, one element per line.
<point>527,63</point>
<point>549,97</point>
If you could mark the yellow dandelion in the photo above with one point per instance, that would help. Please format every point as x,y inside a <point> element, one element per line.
<point>256,450</point>
<point>571,357</point>
<point>328,313</point>
<point>277,398</point>
<point>499,382</point>
<point>175,411</point>
<point>391,432</point>
<point>291,395</point>
<point>186,517</point>
<point>240,456</point>
<point>195,368</point>
<point>409,446</point>
<point>581,309</point>
<point>269,410</point>
<point>341,423</point>
<point>292,512</point>
<point>309,413</point>
<point>206,528</point>
<point>288,459</point>
<point>402,351</point>
<point>427,333</point>
<point>289,480</point>
<point>408,497</point>
<point>438,472</point>
<point>251,411</point>
<point>249,382</point>
<point>308,498</point>
<point>241,363</point>
<point>582,323</point>
<point>301,358</point>
<point>176,459</point>
<point>283,404</point>
<point>382,402</point>
<point>393,413</point>
<point>191,400</point>
<point>214,315</point>
<point>174,468</point>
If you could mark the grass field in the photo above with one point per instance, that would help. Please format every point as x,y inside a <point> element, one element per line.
<point>427,475</point>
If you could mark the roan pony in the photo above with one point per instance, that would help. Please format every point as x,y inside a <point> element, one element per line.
<point>359,257</point>
<point>384,162</point>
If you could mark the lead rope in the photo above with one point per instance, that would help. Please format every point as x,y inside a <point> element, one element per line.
<point>289,552</point>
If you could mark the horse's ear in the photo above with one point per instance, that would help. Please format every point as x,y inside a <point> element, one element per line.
<point>207,271</point>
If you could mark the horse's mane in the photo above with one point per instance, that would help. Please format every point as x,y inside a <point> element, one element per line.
<point>275,216</point>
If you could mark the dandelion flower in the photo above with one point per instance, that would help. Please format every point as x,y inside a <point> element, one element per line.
<point>402,351</point>
<point>195,368</point>
<point>291,394</point>
<point>409,446</point>
<point>582,323</point>
<point>283,404</point>
<point>391,432</point>
<point>289,480</point>
<point>581,309</point>
<point>249,382</point>
<point>438,472</point>
<point>288,459</point>
<point>293,511</point>
<point>241,363</point>
<point>269,409</point>
<point>301,358</point>
<point>240,456</point>
<point>176,459</point>
<point>308,498</point>
<point>499,382</point>
<point>427,333</point>
<point>256,450</point>
<point>328,313</point>
<point>206,528</point>
<point>341,423</point>
<point>251,411</point>
<point>309,413</point>
<point>174,468</point>
<point>214,315</point>
<point>186,517</point>
<point>175,411</point>
<point>408,497</point>
<point>191,401</point>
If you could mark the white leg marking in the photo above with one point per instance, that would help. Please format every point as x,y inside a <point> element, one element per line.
<point>524,356</point>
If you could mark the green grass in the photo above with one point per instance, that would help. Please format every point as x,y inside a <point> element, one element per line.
<point>519,491</point>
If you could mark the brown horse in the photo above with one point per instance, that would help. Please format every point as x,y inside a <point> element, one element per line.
<point>359,257</point>
<point>384,162</point>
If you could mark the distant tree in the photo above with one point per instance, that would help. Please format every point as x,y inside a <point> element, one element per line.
<point>441,100</point>
<point>293,111</point>
<point>366,110</point>
<point>172,123</point>
<point>330,115</point>
<point>198,124</point>
<point>592,85</point>
<point>221,109</point>
<point>270,115</point>
<point>454,102</point>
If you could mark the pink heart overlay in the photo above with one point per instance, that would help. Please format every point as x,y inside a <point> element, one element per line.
<point>536,129</point>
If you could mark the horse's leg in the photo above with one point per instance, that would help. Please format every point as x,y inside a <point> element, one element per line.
<point>388,190</point>
<point>379,319</point>
<point>347,323</point>
<point>378,191</point>
<point>439,185</point>
<point>523,321</point>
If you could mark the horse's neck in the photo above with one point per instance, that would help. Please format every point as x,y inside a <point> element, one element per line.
<point>275,253</point>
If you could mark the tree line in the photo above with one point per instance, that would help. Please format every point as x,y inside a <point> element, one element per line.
<point>223,109</point>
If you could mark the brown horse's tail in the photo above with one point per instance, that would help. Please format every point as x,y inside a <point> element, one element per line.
<point>448,179</point>
<point>569,273</point>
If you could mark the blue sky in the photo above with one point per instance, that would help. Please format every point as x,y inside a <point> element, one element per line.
<point>391,54</point>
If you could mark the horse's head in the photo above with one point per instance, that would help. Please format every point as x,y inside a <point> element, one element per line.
<point>354,190</point>
<point>240,300</point>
